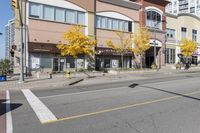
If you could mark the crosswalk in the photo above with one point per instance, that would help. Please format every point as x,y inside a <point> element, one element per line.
<point>41,110</point>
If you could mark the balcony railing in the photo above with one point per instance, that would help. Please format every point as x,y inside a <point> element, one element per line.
<point>154,24</point>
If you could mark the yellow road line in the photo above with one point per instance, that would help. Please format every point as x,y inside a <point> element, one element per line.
<point>119,108</point>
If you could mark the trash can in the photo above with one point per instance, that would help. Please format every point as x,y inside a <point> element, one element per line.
<point>3,78</point>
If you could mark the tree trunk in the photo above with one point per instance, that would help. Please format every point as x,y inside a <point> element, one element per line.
<point>76,63</point>
<point>141,63</point>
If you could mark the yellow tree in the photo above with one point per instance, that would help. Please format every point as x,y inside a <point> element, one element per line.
<point>122,47</point>
<point>188,47</point>
<point>141,40</point>
<point>76,43</point>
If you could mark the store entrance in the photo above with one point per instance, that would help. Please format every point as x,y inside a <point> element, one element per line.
<point>58,64</point>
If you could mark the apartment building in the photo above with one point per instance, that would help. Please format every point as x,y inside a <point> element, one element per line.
<point>10,30</point>
<point>184,6</point>
<point>47,20</point>
<point>10,41</point>
<point>179,27</point>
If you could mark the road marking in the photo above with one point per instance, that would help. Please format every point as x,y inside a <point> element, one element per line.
<point>118,108</point>
<point>42,112</point>
<point>86,92</point>
<point>9,124</point>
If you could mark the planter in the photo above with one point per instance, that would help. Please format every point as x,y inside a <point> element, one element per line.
<point>3,78</point>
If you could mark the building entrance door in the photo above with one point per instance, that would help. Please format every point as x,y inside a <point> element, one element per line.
<point>58,64</point>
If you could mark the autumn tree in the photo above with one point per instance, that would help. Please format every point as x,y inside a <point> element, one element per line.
<point>141,40</point>
<point>76,43</point>
<point>122,47</point>
<point>188,47</point>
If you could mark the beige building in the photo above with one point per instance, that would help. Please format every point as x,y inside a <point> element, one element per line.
<point>180,27</point>
<point>46,20</point>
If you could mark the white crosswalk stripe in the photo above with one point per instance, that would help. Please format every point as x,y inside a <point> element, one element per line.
<point>42,112</point>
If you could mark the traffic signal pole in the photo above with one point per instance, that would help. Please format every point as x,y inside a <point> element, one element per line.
<point>17,4</point>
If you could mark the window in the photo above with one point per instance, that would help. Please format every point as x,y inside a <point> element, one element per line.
<point>45,61</point>
<point>126,26</point>
<point>71,16</point>
<point>110,23</point>
<point>60,15</point>
<point>113,24</point>
<point>153,19</point>
<point>35,10</point>
<point>170,56</point>
<point>121,25</point>
<point>49,13</point>
<point>183,32</point>
<point>56,14</point>
<point>103,22</point>
<point>70,62</point>
<point>170,33</point>
<point>194,35</point>
<point>81,18</point>
<point>98,22</point>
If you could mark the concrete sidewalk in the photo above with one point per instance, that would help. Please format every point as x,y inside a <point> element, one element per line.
<point>60,80</point>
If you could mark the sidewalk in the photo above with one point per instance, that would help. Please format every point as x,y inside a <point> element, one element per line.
<point>59,80</point>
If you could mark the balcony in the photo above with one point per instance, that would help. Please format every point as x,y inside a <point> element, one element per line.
<point>154,24</point>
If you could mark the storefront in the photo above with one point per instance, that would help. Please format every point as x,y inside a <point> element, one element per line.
<point>108,58</point>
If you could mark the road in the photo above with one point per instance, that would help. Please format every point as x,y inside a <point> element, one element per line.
<point>157,104</point>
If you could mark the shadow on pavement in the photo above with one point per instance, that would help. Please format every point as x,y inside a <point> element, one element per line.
<point>13,106</point>
<point>174,93</point>
<point>169,92</point>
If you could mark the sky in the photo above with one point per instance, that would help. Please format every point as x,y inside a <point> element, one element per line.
<point>5,15</point>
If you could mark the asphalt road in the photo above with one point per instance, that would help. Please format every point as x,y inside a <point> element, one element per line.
<point>158,104</point>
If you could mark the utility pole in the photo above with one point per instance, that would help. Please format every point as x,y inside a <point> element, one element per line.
<point>21,79</point>
<point>17,4</point>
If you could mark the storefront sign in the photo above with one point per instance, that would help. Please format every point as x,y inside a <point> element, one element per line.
<point>115,63</point>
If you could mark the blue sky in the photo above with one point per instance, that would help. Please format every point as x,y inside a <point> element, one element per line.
<point>5,14</point>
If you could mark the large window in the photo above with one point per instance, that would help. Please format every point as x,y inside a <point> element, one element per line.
<point>71,16</point>
<point>153,20</point>
<point>35,10</point>
<point>170,33</point>
<point>81,18</point>
<point>57,14</point>
<point>45,61</point>
<point>183,32</point>
<point>60,15</point>
<point>113,24</point>
<point>49,13</point>
<point>194,35</point>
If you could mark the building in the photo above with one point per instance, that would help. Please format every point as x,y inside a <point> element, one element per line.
<point>184,6</point>
<point>152,14</point>
<point>181,26</point>
<point>46,21</point>
<point>10,34</point>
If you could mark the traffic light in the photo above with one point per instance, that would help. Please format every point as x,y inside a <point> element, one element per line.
<point>15,4</point>
<point>12,53</point>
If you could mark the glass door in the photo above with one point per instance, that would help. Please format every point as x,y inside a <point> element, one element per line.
<point>58,64</point>
<point>55,64</point>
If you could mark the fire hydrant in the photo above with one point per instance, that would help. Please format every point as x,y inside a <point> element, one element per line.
<point>68,74</point>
